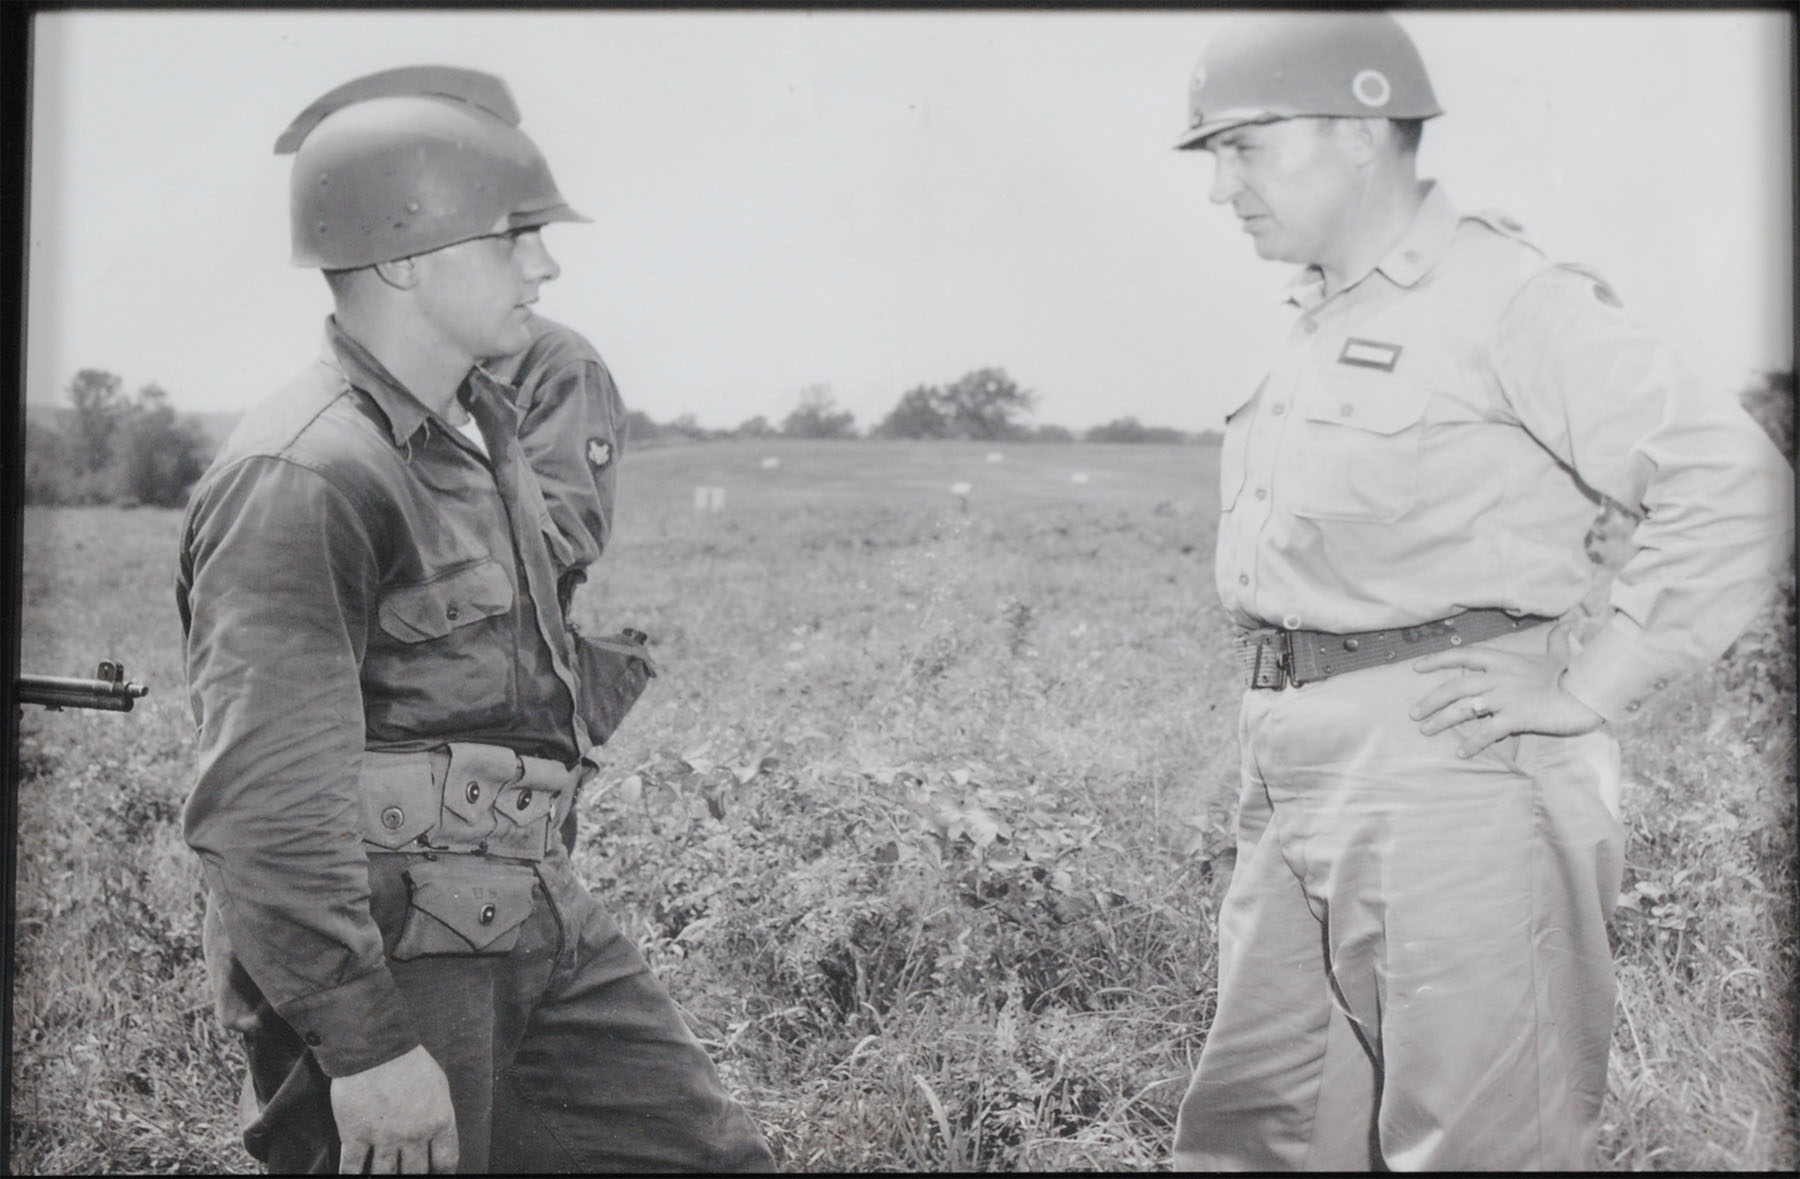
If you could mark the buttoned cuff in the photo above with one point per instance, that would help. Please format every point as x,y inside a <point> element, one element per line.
<point>356,1026</point>
<point>1613,674</point>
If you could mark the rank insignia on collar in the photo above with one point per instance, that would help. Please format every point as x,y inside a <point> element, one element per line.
<point>599,452</point>
<point>1370,354</point>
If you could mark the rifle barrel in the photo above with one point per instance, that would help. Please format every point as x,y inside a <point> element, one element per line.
<point>53,691</point>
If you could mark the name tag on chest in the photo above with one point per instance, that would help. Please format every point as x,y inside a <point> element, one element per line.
<point>1370,354</point>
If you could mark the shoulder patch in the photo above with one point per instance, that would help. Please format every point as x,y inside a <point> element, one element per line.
<point>1602,290</point>
<point>1500,222</point>
<point>599,453</point>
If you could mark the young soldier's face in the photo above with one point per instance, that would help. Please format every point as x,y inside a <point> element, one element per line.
<point>1289,182</point>
<point>479,293</point>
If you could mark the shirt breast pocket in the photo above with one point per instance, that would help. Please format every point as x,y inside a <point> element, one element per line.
<point>1357,452</point>
<point>419,611</point>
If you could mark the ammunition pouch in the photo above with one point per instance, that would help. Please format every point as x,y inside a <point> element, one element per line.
<point>466,798</point>
<point>614,672</point>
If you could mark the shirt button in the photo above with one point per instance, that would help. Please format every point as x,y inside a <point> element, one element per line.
<point>314,1039</point>
<point>1661,684</point>
<point>451,612</point>
<point>1262,493</point>
<point>1291,622</point>
<point>1311,326</point>
<point>1346,410</point>
<point>1243,579</point>
<point>1632,707</point>
<point>1279,408</point>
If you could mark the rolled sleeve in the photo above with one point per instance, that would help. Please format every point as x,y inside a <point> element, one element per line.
<point>276,585</point>
<point>1615,404</point>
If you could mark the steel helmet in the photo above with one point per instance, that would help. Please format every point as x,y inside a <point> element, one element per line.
<point>410,160</point>
<point>1284,65</point>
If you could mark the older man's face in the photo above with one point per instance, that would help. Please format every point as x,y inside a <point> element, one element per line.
<point>1290,184</point>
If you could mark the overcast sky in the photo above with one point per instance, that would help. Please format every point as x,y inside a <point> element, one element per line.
<point>872,201</point>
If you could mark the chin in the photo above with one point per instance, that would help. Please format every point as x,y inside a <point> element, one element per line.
<point>507,342</point>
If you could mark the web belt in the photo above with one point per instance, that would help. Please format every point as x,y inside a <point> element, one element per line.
<point>1276,658</point>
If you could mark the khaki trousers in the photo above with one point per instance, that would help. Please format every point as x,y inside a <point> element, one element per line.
<point>1414,966</point>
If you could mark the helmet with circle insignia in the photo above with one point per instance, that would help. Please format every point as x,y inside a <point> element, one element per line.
<point>1285,65</point>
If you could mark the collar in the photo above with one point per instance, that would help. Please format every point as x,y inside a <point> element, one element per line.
<point>404,412</point>
<point>1411,258</point>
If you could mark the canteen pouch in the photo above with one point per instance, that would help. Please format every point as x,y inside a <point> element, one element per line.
<point>614,672</point>
<point>463,905</point>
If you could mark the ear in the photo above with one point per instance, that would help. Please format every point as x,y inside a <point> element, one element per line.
<point>1361,140</point>
<point>402,273</point>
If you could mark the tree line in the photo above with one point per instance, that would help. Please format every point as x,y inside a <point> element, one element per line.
<point>985,405</point>
<point>106,447</point>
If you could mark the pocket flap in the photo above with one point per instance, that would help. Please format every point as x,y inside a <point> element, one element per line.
<point>524,805</point>
<point>399,799</point>
<point>1375,403</point>
<point>433,608</point>
<point>475,777</point>
<point>478,902</point>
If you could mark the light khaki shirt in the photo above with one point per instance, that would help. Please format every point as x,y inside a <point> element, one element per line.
<point>1430,439</point>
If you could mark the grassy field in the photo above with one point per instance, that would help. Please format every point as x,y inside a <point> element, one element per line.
<point>925,824</point>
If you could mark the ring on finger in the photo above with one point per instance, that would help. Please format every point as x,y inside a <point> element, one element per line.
<point>1478,707</point>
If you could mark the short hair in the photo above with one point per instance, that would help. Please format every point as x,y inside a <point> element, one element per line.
<point>1407,133</point>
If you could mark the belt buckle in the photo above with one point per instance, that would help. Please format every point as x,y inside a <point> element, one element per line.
<point>1278,645</point>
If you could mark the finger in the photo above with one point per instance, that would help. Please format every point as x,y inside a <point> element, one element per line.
<point>384,1160</point>
<point>1479,737</point>
<point>1455,657</point>
<point>353,1157</point>
<point>1446,693</point>
<point>1459,713</point>
<point>445,1151</point>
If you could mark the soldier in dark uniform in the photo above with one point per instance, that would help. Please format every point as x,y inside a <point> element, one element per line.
<point>391,721</point>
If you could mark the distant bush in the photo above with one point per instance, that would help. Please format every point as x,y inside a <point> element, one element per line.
<point>817,416</point>
<point>110,450</point>
<point>1129,429</point>
<point>981,405</point>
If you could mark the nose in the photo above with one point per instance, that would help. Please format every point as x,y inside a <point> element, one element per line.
<point>1225,181</point>
<point>535,259</point>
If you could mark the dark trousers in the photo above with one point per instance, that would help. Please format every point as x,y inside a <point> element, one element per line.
<point>563,1053</point>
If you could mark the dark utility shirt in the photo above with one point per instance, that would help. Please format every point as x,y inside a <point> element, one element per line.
<point>354,575</point>
<point>572,425</point>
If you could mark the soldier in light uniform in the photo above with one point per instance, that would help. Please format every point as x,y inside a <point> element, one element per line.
<point>392,718</point>
<point>1414,966</point>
